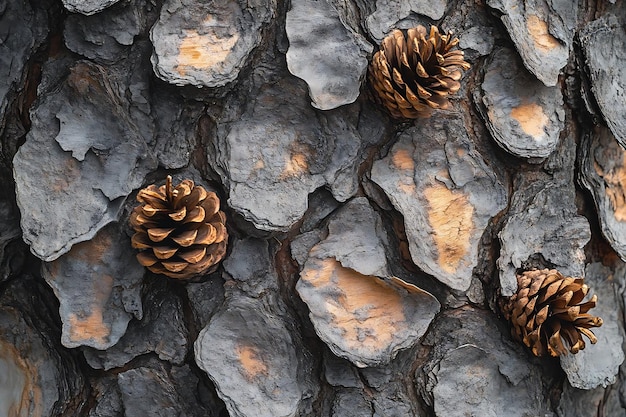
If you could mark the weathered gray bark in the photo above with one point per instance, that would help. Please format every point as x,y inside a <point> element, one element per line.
<point>366,254</point>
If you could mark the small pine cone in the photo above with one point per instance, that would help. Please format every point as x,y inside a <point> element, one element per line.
<point>547,310</point>
<point>180,231</point>
<point>412,75</point>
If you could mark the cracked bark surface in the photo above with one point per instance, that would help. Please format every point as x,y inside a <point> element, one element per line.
<point>366,255</point>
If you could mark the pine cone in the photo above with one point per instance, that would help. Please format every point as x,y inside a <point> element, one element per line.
<point>413,75</point>
<point>546,311</point>
<point>180,232</point>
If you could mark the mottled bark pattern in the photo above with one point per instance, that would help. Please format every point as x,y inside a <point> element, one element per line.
<point>366,255</point>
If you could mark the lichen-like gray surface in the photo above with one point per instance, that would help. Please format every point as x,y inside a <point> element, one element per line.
<point>474,369</point>
<point>87,7</point>
<point>546,225</point>
<point>388,13</point>
<point>207,43</point>
<point>591,403</point>
<point>98,284</point>
<point>603,169</point>
<point>351,403</point>
<point>23,29</point>
<point>280,150</point>
<point>104,37</point>
<point>356,222</point>
<point>598,365</point>
<point>164,316</point>
<point>205,298</point>
<point>147,391</point>
<point>153,390</point>
<point>351,309</point>
<point>333,70</point>
<point>250,356</point>
<point>543,33</point>
<point>434,176</point>
<point>473,28</point>
<point>338,372</point>
<point>523,115</point>
<point>175,121</point>
<point>470,382</point>
<point>601,39</point>
<point>82,157</point>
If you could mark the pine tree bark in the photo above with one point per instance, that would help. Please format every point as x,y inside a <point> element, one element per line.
<point>367,257</point>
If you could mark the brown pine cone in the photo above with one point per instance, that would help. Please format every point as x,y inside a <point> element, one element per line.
<point>547,310</point>
<point>180,231</point>
<point>412,75</point>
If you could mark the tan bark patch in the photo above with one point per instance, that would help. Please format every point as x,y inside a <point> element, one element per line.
<point>615,190</point>
<point>366,309</point>
<point>403,161</point>
<point>531,118</point>
<point>295,166</point>
<point>538,30</point>
<point>91,325</point>
<point>203,51</point>
<point>251,362</point>
<point>71,172</point>
<point>94,250</point>
<point>451,216</point>
<point>259,165</point>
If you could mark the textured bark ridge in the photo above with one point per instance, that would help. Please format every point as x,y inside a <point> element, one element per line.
<point>366,255</point>
<point>447,194</point>
<point>523,116</point>
<point>333,70</point>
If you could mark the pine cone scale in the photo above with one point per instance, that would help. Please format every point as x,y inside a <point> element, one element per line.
<point>164,252</point>
<point>147,259</point>
<point>194,255</point>
<point>186,238</point>
<point>174,266</point>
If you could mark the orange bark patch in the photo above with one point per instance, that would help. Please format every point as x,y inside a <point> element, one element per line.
<point>294,166</point>
<point>251,362</point>
<point>538,30</point>
<point>93,251</point>
<point>615,181</point>
<point>259,165</point>
<point>451,216</point>
<point>21,396</point>
<point>366,309</point>
<point>91,325</point>
<point>403,160</point>
<point>531,118</point>
<point>71,172</point>
<point>203,51</point>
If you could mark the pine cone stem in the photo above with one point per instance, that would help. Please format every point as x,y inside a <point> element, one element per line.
<point>168,188</point>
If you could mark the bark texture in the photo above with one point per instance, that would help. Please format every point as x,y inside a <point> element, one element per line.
<point>366,255</point>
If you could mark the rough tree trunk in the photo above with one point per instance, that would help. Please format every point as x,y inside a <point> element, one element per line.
<point>366,255</point>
